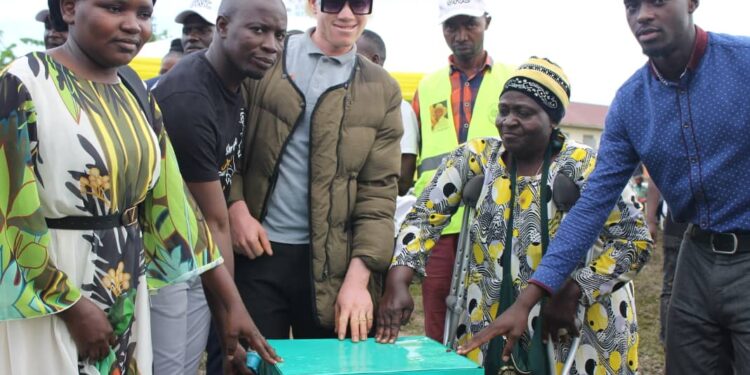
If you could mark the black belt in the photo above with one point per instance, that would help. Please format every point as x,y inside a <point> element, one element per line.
<point>720,243</point>
<point>122,219</point>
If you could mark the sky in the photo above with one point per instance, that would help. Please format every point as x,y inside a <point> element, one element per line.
<point>589,39</point>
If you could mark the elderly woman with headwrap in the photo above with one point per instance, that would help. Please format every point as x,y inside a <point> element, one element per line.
<point>515,218</point>
<point>93,209</point>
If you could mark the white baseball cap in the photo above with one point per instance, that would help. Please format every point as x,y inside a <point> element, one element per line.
<point>206,9</point>
<point>452,8</point>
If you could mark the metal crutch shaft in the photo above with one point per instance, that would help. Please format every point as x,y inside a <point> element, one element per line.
<point>470,196</point>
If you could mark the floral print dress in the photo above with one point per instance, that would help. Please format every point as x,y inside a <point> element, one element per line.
<point>609,342</point>
<point>72,147</point>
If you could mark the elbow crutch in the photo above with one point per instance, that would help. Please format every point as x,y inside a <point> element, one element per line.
<point>568,364</point>
<point>470,196</point>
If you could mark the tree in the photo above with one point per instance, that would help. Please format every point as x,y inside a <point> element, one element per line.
<point>6,52</point>
<point>7,55</point>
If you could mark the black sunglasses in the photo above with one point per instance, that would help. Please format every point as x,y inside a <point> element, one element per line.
<point>358,7</point>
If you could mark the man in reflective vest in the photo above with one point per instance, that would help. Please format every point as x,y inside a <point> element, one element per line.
<point>453,105</point>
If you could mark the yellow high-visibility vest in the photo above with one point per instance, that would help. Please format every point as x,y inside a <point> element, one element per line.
<point>438,131</point>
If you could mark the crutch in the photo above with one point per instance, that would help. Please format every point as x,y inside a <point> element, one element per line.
<point>580,318</point>
<point>568,364</point>
<point>470,196</point>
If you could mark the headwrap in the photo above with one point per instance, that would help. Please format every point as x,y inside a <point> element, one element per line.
<point>55,15</point>
<point>545,82</point>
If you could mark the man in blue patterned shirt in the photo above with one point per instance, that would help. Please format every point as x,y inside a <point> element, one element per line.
<point>686,116</point>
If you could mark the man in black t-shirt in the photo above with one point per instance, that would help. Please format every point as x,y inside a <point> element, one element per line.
<point>203,114</point>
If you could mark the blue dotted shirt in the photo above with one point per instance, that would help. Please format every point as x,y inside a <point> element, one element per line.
<point>693,136</point>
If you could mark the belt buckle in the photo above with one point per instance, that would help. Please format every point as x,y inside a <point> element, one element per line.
<point>724,252</point>
<point>129,216</point>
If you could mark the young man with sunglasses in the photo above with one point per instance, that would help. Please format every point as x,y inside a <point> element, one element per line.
<point>453,105</point>
<point>312,205</point>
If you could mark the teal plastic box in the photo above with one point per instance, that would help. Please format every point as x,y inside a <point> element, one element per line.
<point>409,355</point>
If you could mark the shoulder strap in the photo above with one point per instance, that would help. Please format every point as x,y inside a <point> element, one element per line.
<point>134,83</point>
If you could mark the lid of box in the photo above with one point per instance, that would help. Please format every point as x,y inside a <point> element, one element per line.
<point>409,355</point>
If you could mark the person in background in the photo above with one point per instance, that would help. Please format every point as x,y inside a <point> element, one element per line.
<point>169,60</point>
<point>203,111</point>
<point>372,46</point>
<point>172,57</point>
<point>682,114</point>
<point>313,200</point>
<point>452,105</point>
<point>197,31</point>
<point>52,37</point>
<point>95,210</point>
<point>197,24</point>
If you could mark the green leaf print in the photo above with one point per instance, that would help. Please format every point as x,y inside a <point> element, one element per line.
<point>121,313</point>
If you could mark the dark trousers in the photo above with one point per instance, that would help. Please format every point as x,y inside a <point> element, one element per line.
<point>278,293</point>
<point>671,249</point>
<point>709,312</point>
<point>437,285</point>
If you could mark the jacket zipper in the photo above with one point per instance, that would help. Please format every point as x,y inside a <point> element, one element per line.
<point>347,99</point>
<point>275,174</point>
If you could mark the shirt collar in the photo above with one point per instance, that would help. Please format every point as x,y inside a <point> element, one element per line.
<point>487,63</point>
<point>310,48</point>
<point>699,50</point>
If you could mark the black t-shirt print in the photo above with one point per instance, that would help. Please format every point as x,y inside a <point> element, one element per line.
<point>203,119</point>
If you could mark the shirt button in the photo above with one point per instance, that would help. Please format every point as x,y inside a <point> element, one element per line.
<point>466,125</point>
<point>693,160</point>
<point>466,84</point>
<point>466,104</point>
<point>686,125</point>
<point>704,225</point>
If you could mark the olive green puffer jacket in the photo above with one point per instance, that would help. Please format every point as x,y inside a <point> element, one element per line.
<point>354,166</point>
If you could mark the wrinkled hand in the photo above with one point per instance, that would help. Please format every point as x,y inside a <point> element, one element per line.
<point>248,236</point>
<point>354,309</point>
<point>511,324</point>
<point>394,311</point>
<point>90,329</point>
<point>240,326</point>
<point>560,313</point>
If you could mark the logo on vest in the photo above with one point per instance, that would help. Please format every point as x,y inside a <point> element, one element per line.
<point>438,111</point>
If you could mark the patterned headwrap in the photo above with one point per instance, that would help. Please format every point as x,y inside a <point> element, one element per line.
<point>545,82</point>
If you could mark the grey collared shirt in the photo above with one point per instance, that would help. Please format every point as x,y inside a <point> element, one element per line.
<point>313,73</point>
